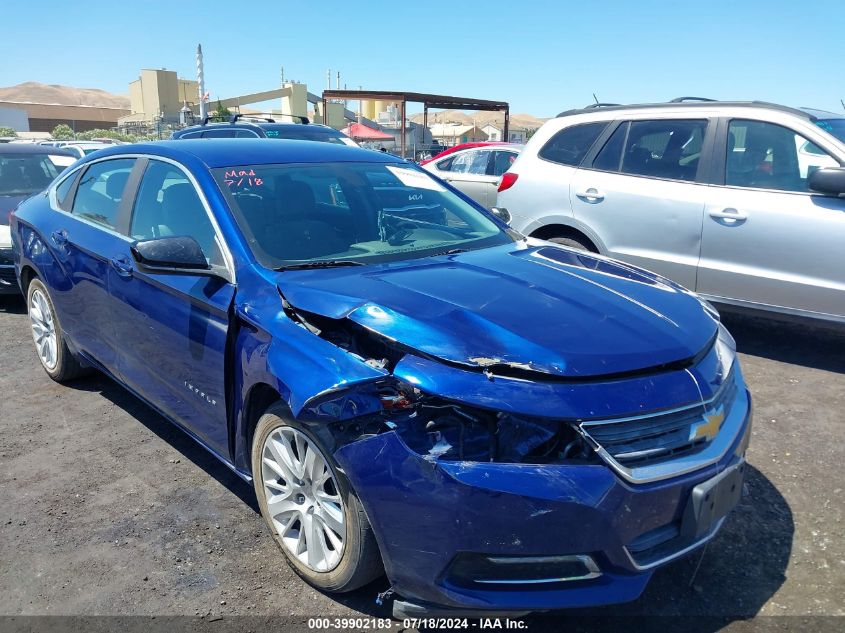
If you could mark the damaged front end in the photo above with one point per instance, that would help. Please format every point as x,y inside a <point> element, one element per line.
<point>484,482</point>
<point>434,427</point>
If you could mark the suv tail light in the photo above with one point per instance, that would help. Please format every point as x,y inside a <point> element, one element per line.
<point>508,180</point>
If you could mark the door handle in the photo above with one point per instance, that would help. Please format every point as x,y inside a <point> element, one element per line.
<point>59,238</point>
<point>590,195</point>
<point>122,266</point>
<point>731,217</point>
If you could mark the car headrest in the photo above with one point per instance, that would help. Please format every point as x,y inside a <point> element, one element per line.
<point>115,184</point>
<point>178,197</point>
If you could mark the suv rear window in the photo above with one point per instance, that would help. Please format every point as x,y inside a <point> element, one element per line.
<point>571,144</point>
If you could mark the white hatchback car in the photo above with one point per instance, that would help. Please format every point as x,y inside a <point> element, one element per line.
<point>740,201</point>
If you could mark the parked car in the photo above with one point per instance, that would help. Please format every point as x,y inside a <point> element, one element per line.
<point>83,148</point>
<point>460,147</point>
<point>241,126</point>
<point>476,171</point>
<point>25,169</point>
<point>741,202</point>
<point>500,424</point>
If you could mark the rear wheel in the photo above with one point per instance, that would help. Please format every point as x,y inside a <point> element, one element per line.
<point>314,515</point>
<point>55,356</point>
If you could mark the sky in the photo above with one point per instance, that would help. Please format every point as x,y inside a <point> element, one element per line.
<point>540,56</point>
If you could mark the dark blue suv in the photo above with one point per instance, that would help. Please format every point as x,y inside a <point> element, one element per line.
<point>240,126</point>
<point>497,423</point>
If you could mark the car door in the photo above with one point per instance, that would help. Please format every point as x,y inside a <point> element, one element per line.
<point>767,239</point>
<point>81,239</point>
<point>467,172</point>
<point>642,194</point>
<point>500,161</point>
<point>172,328</point>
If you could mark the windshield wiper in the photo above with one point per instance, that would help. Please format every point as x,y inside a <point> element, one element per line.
<point>453,251</point>
<point>325,263</point>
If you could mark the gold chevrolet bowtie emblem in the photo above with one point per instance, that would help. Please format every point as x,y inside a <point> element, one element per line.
<point>710,427</point>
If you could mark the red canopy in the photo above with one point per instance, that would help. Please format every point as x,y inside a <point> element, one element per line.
<point>361,132</point>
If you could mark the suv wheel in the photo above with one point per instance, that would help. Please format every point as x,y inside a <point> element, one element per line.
<point>315,517</point>
<point>56,359</point>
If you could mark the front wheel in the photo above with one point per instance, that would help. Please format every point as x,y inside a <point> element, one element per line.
<point>315,517</point>
<point>55,356</point>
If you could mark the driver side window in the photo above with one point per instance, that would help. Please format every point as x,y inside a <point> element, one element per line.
<point>763,155</point>
<point>167,205</point>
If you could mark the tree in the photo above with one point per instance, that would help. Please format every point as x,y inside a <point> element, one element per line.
<point>92,134</point>
<point>7,131</point>
<point>530,133</point>
<point>221,112</point>
<point>63,132</point>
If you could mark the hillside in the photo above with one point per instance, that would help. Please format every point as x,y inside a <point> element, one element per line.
<point>34,92</point>
<point>527,121</point>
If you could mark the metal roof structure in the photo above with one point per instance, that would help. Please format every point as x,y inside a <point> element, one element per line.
<point>443,102</point>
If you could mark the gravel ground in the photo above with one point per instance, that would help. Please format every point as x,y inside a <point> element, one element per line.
<point>107,509</point>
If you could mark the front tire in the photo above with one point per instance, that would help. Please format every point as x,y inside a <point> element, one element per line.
<point>314,515</point>
<point>50,346</point>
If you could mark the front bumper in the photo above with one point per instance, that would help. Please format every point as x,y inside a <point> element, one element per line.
<point>425,514</point>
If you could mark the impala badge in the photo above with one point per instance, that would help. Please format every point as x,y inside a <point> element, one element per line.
<point>200,393</point>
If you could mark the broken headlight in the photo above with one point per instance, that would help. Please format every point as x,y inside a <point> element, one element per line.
<point>442,430</point>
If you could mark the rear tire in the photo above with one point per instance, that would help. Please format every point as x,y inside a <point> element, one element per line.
<point>50,346</point>
<point>316,518</point>
<point>574,242</point>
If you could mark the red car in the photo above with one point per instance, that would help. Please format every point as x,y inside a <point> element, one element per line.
<point>461,146</point>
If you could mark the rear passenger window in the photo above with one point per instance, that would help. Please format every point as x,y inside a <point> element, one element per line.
<point>218,134</point>
<point>502,162</point>
<point>610,156</point>
<point>571,144</point>
<point>664,148</point>
<point>100,191</point>
<point>168,205</point>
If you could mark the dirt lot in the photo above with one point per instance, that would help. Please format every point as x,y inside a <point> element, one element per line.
<point>105,508</point>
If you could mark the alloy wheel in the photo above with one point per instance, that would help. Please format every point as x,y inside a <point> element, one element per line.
<point>43,329</point>
<point>303,499</point>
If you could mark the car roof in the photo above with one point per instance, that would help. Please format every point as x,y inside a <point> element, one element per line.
<point>823,114</point>
<point>231,152</point>
<point>708,104</point>
<point>32,148</point>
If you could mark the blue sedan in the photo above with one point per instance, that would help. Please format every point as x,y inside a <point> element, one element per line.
<point>498,424</point>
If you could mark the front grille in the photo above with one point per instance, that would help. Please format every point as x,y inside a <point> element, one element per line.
<point>6,257</point>
<point>661,437</point>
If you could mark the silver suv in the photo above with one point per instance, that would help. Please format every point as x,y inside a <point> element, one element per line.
<point>740,201</point>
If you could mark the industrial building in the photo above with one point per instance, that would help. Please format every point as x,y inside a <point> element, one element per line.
<point>449,134</point>
<point>159,95</point>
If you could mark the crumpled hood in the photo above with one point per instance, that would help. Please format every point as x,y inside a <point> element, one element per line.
<point>538,308</point>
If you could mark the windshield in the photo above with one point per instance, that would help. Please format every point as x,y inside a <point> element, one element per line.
<point>25,174</point>
<point>350,213</point>
<point>836,127</point>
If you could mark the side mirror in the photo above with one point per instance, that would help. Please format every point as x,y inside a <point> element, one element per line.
<point>170,254</point>
<point>830,180</point>
<point>502,214</point>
